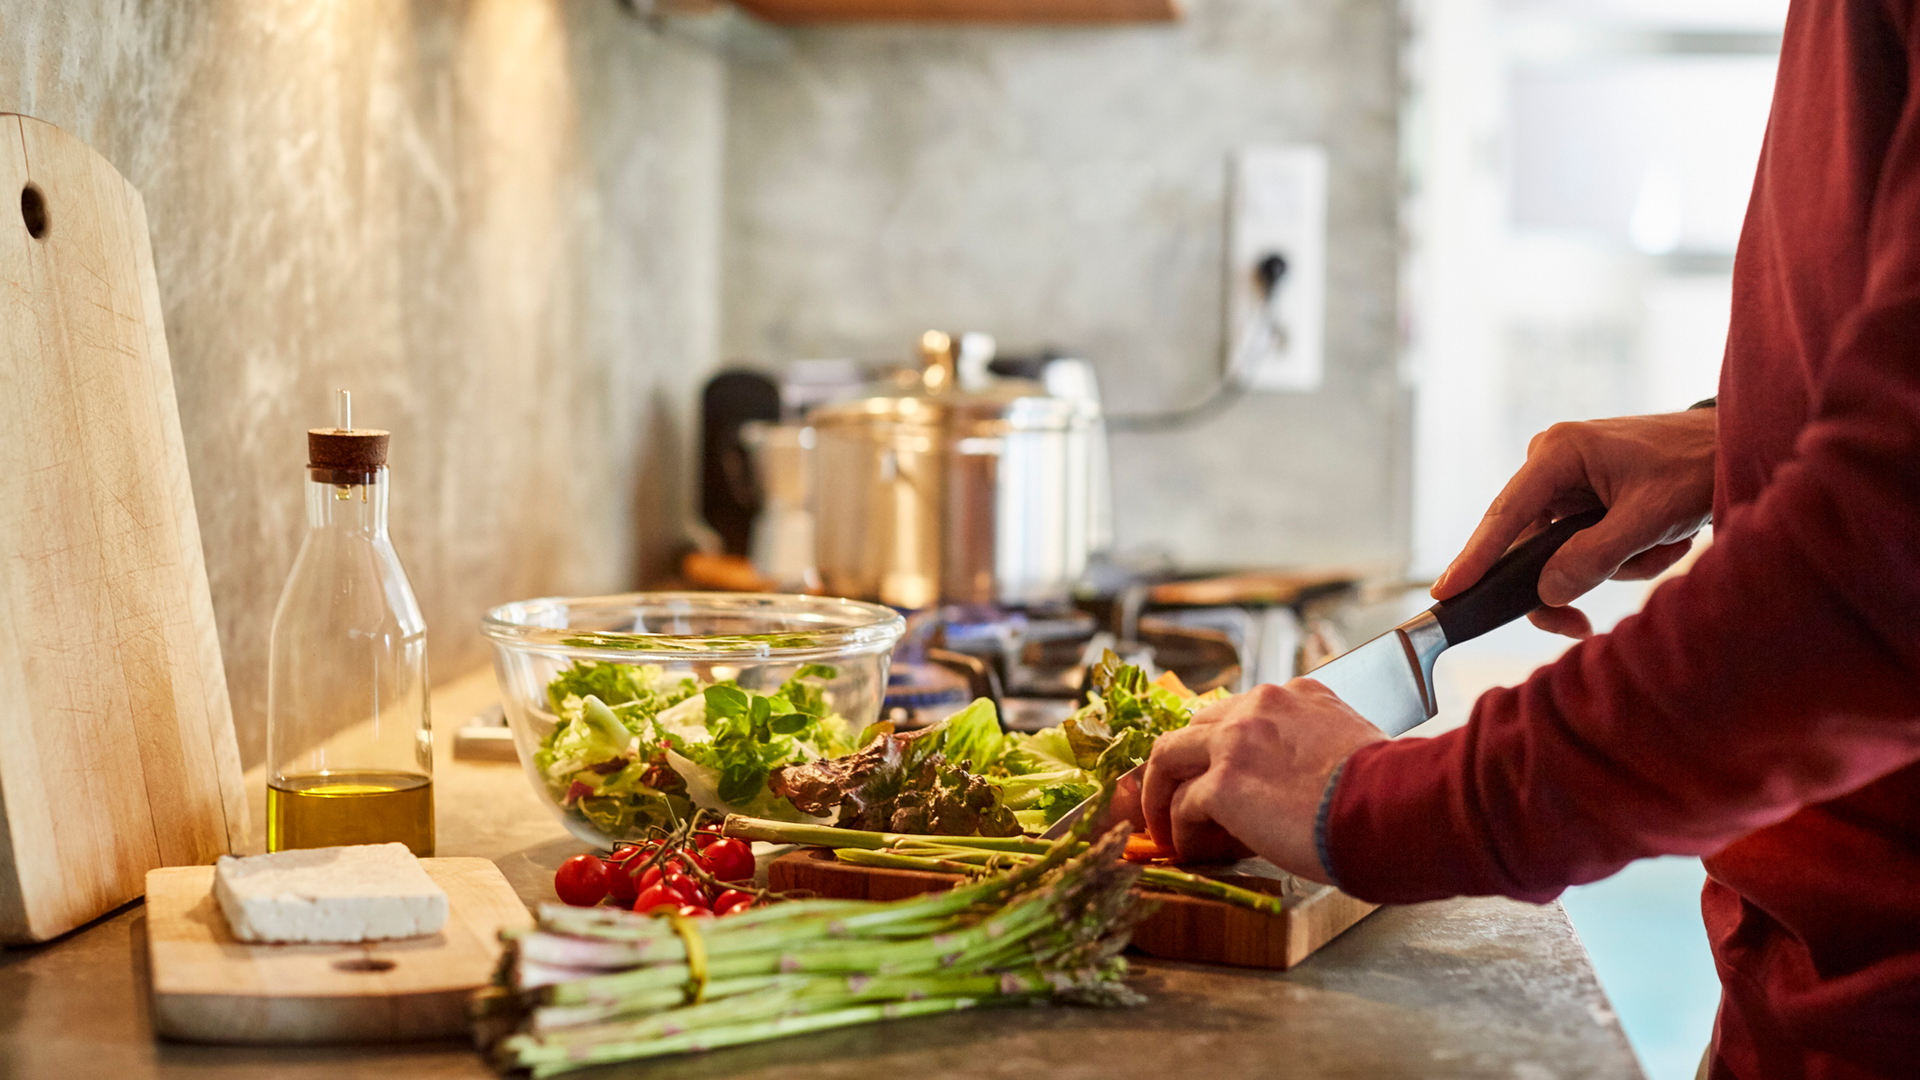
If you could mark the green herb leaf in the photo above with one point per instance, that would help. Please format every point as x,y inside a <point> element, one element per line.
<point>725,701</point>
<point>741,781</point>
<point>789,723</point>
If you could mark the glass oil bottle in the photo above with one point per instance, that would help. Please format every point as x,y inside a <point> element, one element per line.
<point>349,739</point>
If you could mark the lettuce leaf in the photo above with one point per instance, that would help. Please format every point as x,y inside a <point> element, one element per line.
<point>634,747</point>
<point>646,687</point>
<point>1047,773</point>
<point>972,737</point>
<point>904,782</point>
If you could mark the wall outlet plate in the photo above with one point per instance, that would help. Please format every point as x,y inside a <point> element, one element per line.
<point>1279,207</point>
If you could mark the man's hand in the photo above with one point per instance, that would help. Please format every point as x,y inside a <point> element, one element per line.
<point>1248,774</point>
<point>1654,474</point>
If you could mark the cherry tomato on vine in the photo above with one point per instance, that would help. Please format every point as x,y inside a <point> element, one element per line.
<point>620,887</point>
<point>730,901</point>
<point>581,881</point>
<point>685,886</point>
<point>659,896</point>
<point>731,858</point>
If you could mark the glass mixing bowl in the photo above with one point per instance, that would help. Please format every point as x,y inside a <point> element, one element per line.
<point>757,640</point>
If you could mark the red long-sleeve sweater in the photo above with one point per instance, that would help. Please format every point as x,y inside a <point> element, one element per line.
<point>1764,709</point>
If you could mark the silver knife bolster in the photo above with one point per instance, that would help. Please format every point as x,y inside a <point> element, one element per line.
<point>1389,680</point>
<point>1424,641</point>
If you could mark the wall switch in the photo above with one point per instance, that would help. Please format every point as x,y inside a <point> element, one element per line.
<point>1279,207</point>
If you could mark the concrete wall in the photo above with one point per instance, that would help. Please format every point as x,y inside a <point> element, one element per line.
<point>1066,188</point>
<point>496,222</point>
<point>501,224</point>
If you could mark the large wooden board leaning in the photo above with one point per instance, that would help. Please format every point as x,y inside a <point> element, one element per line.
<point>116,739</point>
<point>1184,928</point>
<point>207,987</point>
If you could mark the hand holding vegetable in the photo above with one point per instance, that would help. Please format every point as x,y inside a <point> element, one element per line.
<point>1250,772</point>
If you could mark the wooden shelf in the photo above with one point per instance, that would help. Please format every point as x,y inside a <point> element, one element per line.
<point>1001,11</point>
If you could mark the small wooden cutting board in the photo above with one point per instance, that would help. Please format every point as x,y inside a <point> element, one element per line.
<point>208,987</point>
<point>1184,927</point>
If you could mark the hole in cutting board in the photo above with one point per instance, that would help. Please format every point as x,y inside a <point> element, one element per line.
<point>33,210</point>
<point>366,964</point>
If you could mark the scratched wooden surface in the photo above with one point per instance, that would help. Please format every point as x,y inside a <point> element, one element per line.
<point>207,987</point>
<point>117,751</point>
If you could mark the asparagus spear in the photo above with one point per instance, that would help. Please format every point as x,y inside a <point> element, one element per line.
<point>961,861</point>
<point>542,1060</point>
<point>968,854</point>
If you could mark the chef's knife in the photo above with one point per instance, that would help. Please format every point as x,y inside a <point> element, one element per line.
<point>1389,680</point>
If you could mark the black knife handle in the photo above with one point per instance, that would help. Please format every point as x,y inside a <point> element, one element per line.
<point>1511,586</point>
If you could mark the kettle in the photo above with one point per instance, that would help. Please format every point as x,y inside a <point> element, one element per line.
<point>956,487</point>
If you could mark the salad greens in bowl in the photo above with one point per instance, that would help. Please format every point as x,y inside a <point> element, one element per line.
<point>630,711</point>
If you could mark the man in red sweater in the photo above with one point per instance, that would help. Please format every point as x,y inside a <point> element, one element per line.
<point>1763,711</point>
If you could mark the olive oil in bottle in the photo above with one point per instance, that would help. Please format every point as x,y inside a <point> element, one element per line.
<point>334,809</point>
<point>349,743</point>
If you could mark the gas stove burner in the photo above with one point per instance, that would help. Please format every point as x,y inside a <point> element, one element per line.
<point>996,631</point>
<point>922,694</point>
<point>1034,663</point>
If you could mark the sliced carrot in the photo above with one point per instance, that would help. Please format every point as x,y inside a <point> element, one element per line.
<point>1141,848</point>
<point>1169,681</point>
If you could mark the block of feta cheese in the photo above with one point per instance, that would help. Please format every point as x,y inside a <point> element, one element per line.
<point>368,892</point>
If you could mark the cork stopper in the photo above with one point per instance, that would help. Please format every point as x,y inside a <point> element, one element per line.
<point>345,454</point>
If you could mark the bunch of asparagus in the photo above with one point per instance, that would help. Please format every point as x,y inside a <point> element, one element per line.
<point>589,986</point>
<point>974,854</point>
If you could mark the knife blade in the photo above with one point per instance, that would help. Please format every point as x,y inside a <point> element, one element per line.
<point>1389,680</point>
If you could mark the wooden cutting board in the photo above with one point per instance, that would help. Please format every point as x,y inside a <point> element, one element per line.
<point>1184,928</point>
<point>207,987</point>
<point>116,740</point>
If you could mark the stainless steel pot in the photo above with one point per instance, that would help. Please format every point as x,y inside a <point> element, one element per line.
<point>1019,509</point>
<point>936,494</point>
<point>879,488</point>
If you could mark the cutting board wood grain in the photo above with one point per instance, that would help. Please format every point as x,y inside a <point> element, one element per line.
<point>1184,927</point>
<point>208,987</point>
<point>117,751</point>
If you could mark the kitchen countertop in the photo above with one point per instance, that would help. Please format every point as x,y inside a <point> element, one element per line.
<point>1460,988</point>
